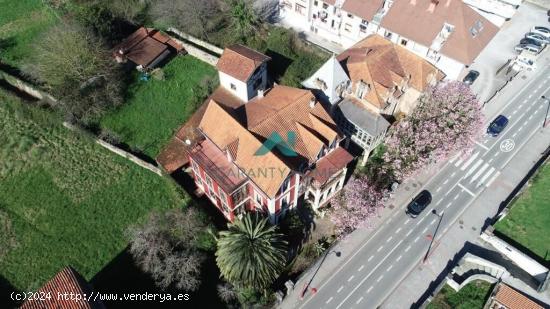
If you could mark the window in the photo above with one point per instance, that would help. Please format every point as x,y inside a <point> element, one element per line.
<point>332,23</point>
<point>233,87</point>
<point>362,89</point>
<point>285,203</point>
<point>388,35</point>
<point>285,185</point>
<point>347,27</point>
<point>316,3</point>
<point>210,186</point>
<point>300,9</point>
<point>350,16</point>
<point>195,168</point>
<point>223,200</point>
<point>258,198</point>
<point>363,28</point>
<point>325,6</point>
<point>404,42</point>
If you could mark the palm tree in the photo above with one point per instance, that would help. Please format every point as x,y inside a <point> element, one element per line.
<point>251,254</point>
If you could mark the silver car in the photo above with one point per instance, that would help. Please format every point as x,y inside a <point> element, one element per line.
<point>545,32</point>
<point>528,47</point>
<point>537,37</point>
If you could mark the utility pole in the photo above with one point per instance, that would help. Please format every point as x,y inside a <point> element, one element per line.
<point>547,108</point>
<point>433,237</point>
<point>306,287</point>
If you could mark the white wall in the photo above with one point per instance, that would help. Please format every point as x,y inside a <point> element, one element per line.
<point>450,67</point>
<point>226,80</point>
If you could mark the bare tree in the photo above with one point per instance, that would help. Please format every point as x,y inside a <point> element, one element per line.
<point>77,68</point>
<point>227,292</point>
<point>195,17</point>
<point>266,10</point>
<point>166,247</point>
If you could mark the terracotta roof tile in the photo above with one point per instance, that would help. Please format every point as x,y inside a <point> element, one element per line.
<point>66,281</point>
<point>382,64</point>
<point>461,45</point>
<point>512,299</point>
<point>366,9</point>
<point>240,61</point>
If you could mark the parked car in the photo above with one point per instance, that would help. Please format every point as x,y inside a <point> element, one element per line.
<point>528,47</point>
<point>537,37</point>
<point>497,125</point>
<point>471,77</point>
<point>541,30</point>
<point>532,42</point>
<point>419,203</point>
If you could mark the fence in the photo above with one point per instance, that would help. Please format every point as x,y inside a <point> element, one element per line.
<point>26,88</point>
<point>194,45</point>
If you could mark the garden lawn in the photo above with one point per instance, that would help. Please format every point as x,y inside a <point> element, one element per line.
<point>471,296</point>
<point>156,108</point>
<point>21,22</point>
<point>64,200</point>
<point>528,222</point>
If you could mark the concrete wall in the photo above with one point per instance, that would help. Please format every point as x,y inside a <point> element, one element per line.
<point>241,90</point>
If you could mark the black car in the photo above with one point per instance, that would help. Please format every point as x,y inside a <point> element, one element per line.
<point>531,41</point>
<point>497,125</point>
<point>419,203</point>
<point>471,77</point>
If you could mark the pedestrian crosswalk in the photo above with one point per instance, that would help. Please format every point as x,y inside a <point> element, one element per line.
<point>478,172</point>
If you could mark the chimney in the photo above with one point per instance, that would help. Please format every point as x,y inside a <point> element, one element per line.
<point>261,93</point>
<point>433,4</point>
<point>312,102</point>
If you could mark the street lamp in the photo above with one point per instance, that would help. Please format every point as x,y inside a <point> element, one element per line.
<point>545,116</point>
<point>306,287</point>
<point>433,236</point>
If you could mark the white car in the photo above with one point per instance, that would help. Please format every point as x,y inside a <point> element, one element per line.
<point>545,32</point>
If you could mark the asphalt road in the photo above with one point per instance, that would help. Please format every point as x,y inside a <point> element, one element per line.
<point>377,267</point>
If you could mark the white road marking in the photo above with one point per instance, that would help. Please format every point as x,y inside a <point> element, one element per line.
<point>424,230</point>
<point>460,160</point>
<point>389,239</point>
<point>398,230</point>
<point>445,230</point>
<point>492,179</point>
<point>389,268</point>
<point>530,117</point>
<point>490,160</point>
<point>479,172</point>
<point>453,174</point>
<point>398,258</point>
<point>491,170</point>
<point>496,154</point>
<point>394,214</point>
<point>514,112</point>
<point>359,300</point>
<point>438,189</point>
<point>433,221</point>
<point>472,158</point>
<point>454,158</point>
<point>360,268</point>
<point>370,289</point>
<point>329,300</point>
<point>456,196</point>
<point>351,278</point>
<point>438,202</point>
<point>379,278</point>
<point>481,145</point>
<point>407,221</point>
<point>514,135</point>
<point>466,189</point>
<point>448,205</point>
<point>340,289</point>
<point>409,232</point>
<point>473,168</point>
<point>408,248</point>
<point>446,181</point>
<point>380,248</point>
<point>370,258</point>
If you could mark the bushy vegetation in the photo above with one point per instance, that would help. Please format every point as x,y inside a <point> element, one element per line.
<point>472,296</point>
<point>64,200</point>
<point>21,23</point>
<point>531,231</point>
<point>156,108</point>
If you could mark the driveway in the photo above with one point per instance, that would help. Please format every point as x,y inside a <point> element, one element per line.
<point>501,49</point>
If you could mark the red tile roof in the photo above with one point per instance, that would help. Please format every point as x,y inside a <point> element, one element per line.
<point>511,299</point>
<point>415,20</point>
<point>364,9</point>
<point>240,61</point>
<point>332,163</point>
<point>67,281</point>
<point>145,45</point>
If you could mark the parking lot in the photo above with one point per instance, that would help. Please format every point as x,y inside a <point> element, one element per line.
<point>501,49</point>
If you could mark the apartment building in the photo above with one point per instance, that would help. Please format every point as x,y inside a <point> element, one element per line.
<point>448,33</point>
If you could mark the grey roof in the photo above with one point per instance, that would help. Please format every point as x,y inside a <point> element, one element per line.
<point>371,122</point>
<point>332,75</point>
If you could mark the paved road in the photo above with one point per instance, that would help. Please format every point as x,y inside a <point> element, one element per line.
<point>375,269</point>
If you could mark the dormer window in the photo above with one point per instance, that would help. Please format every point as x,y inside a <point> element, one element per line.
<point>362,89</point>
<point>333,144</point>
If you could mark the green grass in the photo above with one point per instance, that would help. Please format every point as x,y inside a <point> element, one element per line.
<point>21,23</point>
<point>64,200</point>
<point>528,222</point>
<point>156,108</point>
<point>471,296</point>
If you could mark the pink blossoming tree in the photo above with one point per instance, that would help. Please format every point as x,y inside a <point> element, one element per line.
<point>448,118</point>
<point>358,202</point>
